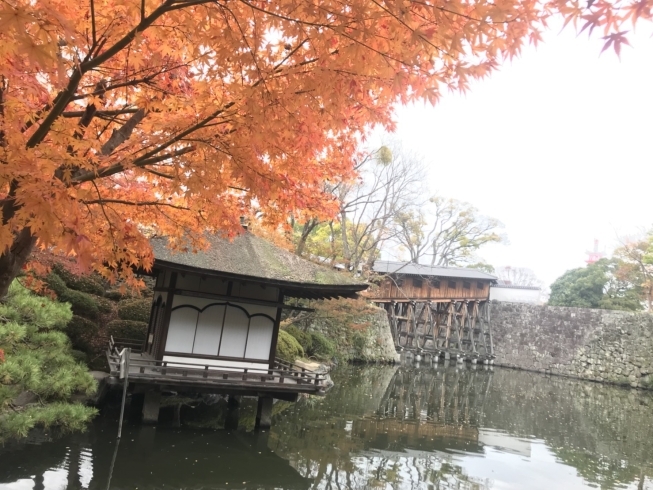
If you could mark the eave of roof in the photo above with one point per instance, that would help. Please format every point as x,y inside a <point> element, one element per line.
<point>412,269</point>
<point>512,286</point>
<point>250,258</point>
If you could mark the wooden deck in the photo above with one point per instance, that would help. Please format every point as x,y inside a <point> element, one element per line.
<point>284,381</point>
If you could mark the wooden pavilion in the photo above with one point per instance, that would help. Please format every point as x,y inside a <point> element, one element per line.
<point>214,323</point>
<point>442,310</point>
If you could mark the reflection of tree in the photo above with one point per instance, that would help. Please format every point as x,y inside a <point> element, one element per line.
<point>605,432</point>
<point>392,427</point>
<point>395,427</point>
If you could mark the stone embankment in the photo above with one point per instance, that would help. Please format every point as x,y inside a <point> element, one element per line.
<point>359,332</point>
<point>598,345</point>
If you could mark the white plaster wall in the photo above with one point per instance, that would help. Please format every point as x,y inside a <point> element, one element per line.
<point>515,295</point>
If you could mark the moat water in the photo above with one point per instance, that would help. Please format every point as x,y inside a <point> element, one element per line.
<point>406,427</point>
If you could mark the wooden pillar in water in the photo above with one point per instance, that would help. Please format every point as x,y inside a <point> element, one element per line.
<point>151,404</point>
<point>264,413</point>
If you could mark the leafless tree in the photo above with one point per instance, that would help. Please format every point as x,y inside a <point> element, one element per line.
<point>518,276</point>
<point>446,230</point>
<point>389,181</point>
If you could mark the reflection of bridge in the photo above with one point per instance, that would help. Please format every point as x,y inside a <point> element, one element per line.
<point>445,396</point>
<point>408,438</point>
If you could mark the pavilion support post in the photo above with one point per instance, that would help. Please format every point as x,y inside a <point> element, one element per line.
<point>151,404</point>
<point>264,413</point>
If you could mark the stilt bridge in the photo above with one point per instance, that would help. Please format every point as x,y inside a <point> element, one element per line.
<point>443,311</point>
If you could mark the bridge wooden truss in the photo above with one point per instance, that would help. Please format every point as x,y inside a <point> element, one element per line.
<point>457,329</point>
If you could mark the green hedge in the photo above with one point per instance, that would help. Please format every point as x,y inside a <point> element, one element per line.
<point>128,329</point>
<point>80,326</point>
<point>323,348</point>
<point>82,304</point>
<point>104,305</point>
<point>114,295</point>
<point>314,344</point>
<point>88,283</point>
<point>135,309</point>
<point>304,338</point>
<point>288,348</point>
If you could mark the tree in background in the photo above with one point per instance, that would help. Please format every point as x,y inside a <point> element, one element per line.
<point>599,285</point>
<point>388,182</point>
<point>518,276</point>
<point>636,258</point>
<point>176,116</point>
<point>481,266</point>
<point>447,231</point>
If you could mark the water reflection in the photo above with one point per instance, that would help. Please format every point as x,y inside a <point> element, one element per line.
<point>379,427</point>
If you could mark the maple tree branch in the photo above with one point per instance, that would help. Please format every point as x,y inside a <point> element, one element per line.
<point>116,112</point>
<point>188,131</point>
<point>115,86</point>
<point>165,156</point>
<point>66,95</point>
<point>159,174</point>
<point>4,83</point>
<point>121,135</point>
<point>134,203</point>
<point>119,167</point>
<point>60,102</point>
<point>94,33</point>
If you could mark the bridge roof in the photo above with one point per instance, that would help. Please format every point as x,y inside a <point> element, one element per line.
<point>410,268</point>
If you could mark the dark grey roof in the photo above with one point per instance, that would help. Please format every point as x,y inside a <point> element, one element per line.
<point>410,268</point>
<point>514,286</point>
<point>250,257</point>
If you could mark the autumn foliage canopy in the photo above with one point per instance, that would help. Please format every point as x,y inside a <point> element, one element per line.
<point>122,118</point>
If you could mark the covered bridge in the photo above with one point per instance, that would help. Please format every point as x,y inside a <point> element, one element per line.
<point>441,310</point>
<point>215,318</point>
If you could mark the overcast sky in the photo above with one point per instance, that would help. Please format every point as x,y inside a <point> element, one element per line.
<point>557,145</point>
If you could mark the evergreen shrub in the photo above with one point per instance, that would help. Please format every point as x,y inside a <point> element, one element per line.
<point>127,329</point>
<point>135,309</point>
<point>38,358</point>
<point>304,338</point>
<point>322,348</point>
<point>86,283</point>
<point>81,303</point>
<point>288,349</point>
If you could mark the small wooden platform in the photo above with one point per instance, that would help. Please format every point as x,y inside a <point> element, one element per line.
<point>284,381</point>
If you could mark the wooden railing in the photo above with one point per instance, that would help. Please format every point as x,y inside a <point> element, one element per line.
<point>117,344</point>
<point>286,376</point>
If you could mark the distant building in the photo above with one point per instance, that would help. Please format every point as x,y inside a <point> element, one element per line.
<point>594,255</point>
<point>511,293</point>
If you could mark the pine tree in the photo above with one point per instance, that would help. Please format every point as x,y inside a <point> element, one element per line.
<point>37,358</point>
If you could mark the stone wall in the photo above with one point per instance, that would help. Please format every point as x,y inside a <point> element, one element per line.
<point>599,345</point>
<point>372,343</point>
<point>359,331</point>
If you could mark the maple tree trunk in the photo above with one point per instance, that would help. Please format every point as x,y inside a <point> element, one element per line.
<point>14,257</point>
<point>307,229</point>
